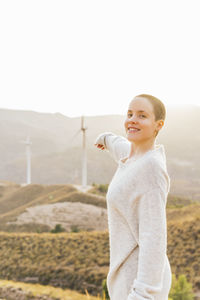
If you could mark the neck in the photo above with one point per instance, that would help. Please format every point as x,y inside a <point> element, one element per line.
<point>138,149</point>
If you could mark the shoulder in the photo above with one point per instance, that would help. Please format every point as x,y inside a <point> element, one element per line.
<point>153,173</point>
<point>153,163</point>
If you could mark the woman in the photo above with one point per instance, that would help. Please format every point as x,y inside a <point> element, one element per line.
<point>136,203</point>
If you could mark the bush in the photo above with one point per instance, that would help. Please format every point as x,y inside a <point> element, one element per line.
<point>181,289</point>
<point>74,228</point>
<point>105,295</point>
<point>58,228</point>
<point>103,188</point>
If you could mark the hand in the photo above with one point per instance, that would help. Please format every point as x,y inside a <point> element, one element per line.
<point>100,146</point>
<point>100,140</point>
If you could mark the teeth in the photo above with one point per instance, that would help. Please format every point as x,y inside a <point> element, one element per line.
<point>133,130</point>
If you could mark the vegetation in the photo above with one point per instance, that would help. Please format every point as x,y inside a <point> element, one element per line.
<point>58,228</point>
<point>76,261</point>
<point>80,260</point>
<point>30,291</point>
<point>174,201</point>
<point>105,290</point>
<point>184,246</point>
<point>99,189</point>
<point>74,228</point>
<point>181,289</point>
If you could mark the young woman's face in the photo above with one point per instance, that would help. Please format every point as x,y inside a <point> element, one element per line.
<point>140,115</point>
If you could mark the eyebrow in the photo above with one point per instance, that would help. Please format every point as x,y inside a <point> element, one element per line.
<point>139,111</point>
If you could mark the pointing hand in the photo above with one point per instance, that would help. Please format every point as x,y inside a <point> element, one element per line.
<point>100,146</point>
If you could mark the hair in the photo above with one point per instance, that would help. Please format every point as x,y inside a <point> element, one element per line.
<point>158,107</point>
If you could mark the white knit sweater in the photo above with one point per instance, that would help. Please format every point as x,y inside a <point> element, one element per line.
<point>136,203</point>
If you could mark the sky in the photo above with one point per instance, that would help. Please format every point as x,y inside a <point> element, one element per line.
<point>92,57</point>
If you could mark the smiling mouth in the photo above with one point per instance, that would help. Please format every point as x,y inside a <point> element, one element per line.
<point>132,130</point>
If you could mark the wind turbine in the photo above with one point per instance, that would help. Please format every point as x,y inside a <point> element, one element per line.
<point>84,157</point>
<point>28,144</point>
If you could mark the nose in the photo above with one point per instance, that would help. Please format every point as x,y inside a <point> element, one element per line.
<point>133,118</point>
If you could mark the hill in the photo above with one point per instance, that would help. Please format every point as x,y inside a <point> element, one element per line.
<point>22,291</point>
<point>68,260</point>
<point>184,247</point>
<point>40,207</point>
<point>56,148</point>
<point>81,260</point>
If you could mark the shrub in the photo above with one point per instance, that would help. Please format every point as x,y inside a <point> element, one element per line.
<point>58,228</point>
<point>103,188</point>
<point>105,295</point>
<point>181,289</point>
<point>74,228</point>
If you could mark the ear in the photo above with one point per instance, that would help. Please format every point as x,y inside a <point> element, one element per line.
<point>160,124</point>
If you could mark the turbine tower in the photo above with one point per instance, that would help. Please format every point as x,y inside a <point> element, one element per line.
<point>84,157</point>
<point>28,144</point>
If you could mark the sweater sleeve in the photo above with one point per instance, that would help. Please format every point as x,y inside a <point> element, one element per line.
<point>117,146</point>
<point>152,245</point>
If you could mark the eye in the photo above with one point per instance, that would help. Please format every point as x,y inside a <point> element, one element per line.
<point>129,114</point>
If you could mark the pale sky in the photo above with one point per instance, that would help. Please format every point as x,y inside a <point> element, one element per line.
<point>92,57</point>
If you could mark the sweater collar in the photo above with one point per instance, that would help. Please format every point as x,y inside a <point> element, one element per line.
<point>159,149</point>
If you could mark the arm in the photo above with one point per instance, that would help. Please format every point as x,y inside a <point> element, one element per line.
<point>152,245</point>
<point>117,146</point>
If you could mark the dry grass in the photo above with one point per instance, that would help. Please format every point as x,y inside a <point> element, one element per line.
<point>76,261</point>
<point>179,215</point>
<point>38,290</point>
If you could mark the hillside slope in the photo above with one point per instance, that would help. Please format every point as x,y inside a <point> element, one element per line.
<point>13,290</point>
<point>81,260</point>
<point>56,148</point>
<point>40,207</point>
<point>62,259</point>
<point>68,260</point>
<point>68,214</point>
